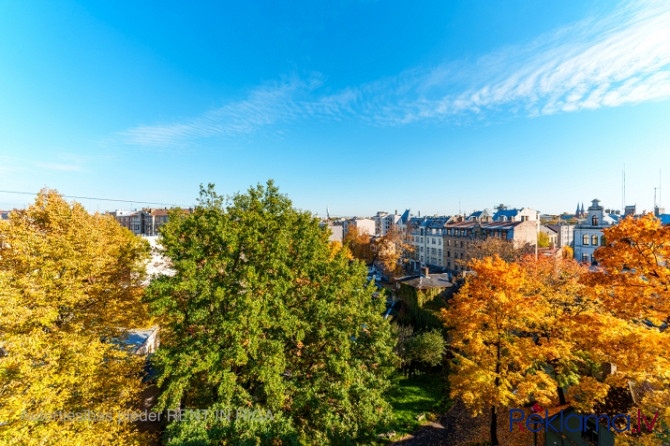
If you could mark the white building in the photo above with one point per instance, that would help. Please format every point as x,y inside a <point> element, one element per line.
<point>364,226</point>
<point>589,232</point>
<point>385,221</point>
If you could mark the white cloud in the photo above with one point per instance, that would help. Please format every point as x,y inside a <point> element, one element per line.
<point>619,59</point>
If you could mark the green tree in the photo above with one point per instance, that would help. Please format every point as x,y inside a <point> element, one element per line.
<point>427,348</point>
<point>263,314</point>
<point>543,240</point>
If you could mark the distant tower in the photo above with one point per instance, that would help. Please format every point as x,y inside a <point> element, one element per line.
<point>577,211</point>
<point>582,213</point>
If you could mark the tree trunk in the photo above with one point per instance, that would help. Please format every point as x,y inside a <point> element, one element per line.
<point>494,417</point>
<point>561,395</point>
<point>494,426</point>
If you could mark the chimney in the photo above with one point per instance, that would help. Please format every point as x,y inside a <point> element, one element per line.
<point>425,271</point>
<point>608,368</point>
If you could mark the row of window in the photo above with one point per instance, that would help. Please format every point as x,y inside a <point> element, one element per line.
<point>594,240</point>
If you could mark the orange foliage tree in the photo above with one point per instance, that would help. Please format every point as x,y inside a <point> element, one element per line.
<point>633,284</point>
<point>495,365</point>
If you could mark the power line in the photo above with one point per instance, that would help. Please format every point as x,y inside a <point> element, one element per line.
<point>78,197</point>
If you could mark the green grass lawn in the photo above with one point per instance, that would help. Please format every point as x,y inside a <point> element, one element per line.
<point>413,396</point>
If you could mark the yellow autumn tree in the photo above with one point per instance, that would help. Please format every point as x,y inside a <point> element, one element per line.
<point>569,328</point>
<point>390,249</point>
<point>495,365</point>
<point>633,284</point>
<point>70,282</point>
<point>359,244</point>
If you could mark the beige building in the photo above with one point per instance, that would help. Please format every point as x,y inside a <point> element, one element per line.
<point>459,237</point>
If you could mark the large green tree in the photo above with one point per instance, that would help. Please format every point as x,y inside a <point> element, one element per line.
<point>262,314</point>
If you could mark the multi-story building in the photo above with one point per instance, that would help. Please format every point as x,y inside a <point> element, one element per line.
<point>460,237</point>
<point>143,222</point>
<point>589,232</point>
<point>385,221</point>
<point>363,225</point>
<point>124,219</point>
<point>425,237</point>
<point>153,219</point>
<point>566,234</point>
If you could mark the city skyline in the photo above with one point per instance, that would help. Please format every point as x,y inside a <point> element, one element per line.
<point>354,106</point>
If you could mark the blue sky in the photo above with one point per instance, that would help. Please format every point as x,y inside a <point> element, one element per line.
<point>356,105</point>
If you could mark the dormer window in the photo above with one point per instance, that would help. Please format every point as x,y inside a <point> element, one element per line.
<point>594,220</point>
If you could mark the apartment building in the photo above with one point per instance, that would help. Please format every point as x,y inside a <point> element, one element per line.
<point>425,235</point>
<point>143,222</point>
<point>460,236</point>
<point>385,221</point>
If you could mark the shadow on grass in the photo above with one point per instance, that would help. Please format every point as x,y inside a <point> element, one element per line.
<point>414,400</point>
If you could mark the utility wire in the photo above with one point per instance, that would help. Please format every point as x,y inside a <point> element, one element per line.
<point>93,198</point>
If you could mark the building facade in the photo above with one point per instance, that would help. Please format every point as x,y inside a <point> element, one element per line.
<point>589,232</point>
<point>460,237</point>
<point>425,235</point>
<point>566,234</point>
<point>143,222</point>
<point>363,225</point>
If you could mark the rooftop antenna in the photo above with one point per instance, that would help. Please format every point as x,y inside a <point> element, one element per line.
<point>623,190</point>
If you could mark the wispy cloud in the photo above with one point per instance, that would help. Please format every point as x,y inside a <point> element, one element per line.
<point>65,162</point>
<point>609,61</point>
<point>280,102</point>
<point>62,167</point>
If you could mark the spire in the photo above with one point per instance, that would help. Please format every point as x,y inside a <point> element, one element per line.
<point>582,211</point>
<point>577,211</point>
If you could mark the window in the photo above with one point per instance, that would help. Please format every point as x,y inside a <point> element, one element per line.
<point>585,258</point>
<point>594,240</point>
<point>603,242</point>
<point>585,240</point>
<point>448,253</point>
<point>594,220</point>
<point>590,432</point>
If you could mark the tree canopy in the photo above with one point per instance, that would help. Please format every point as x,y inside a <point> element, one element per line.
<point>70,282</point>
<point>262,314</point>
